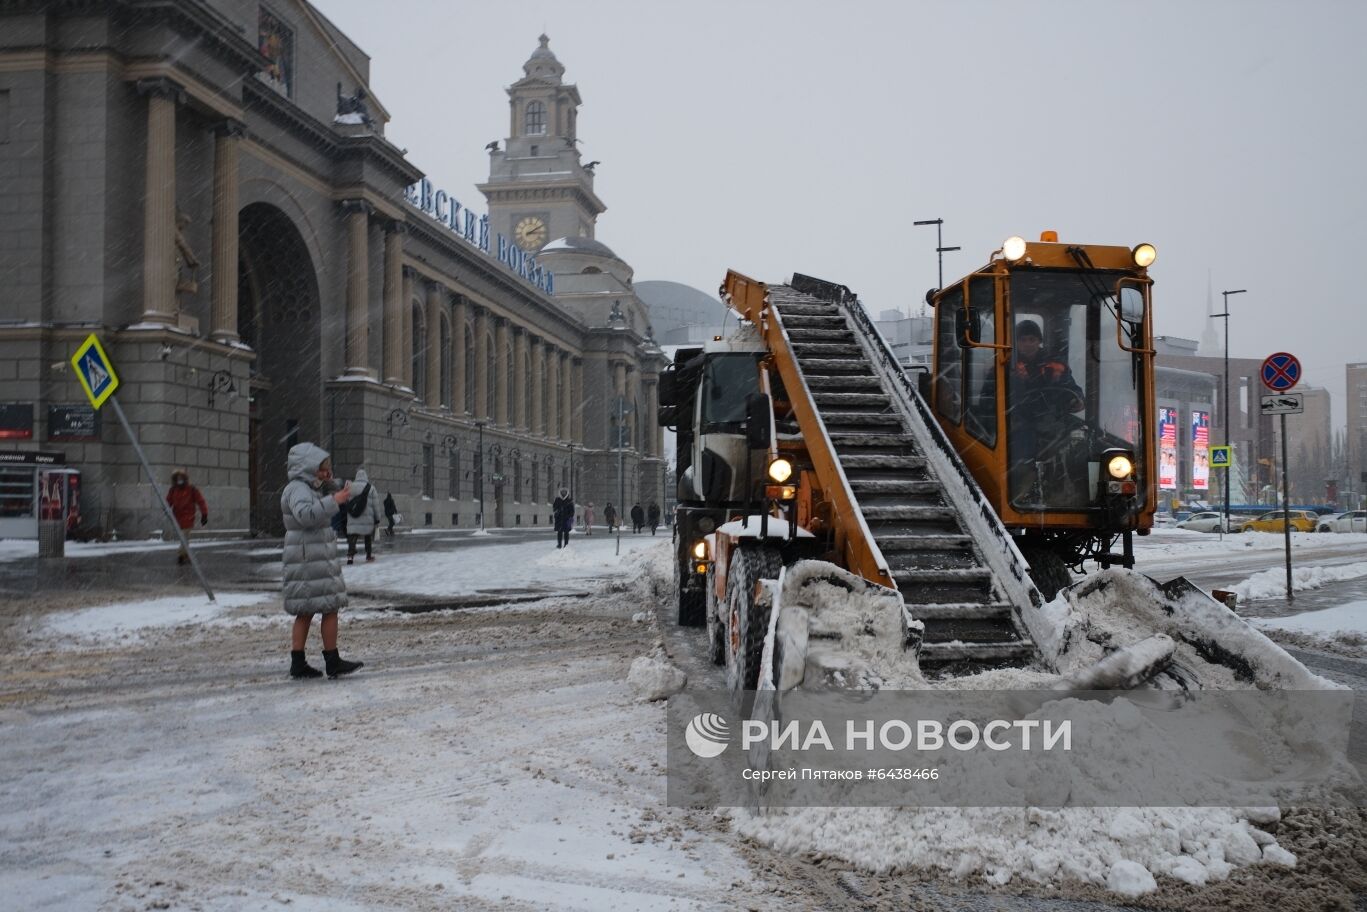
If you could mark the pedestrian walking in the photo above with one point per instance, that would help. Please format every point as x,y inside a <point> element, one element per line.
<point>563,512</point>
<point>610,516</point>
<point>588,519</point>
<point>362,516</point>
<point>391,512</point>
<point>312,578</point>
<point>638,518</point>
<point>653,516</point>
<point>185,500</point>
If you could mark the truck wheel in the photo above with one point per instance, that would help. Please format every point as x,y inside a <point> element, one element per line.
<point>746,623</point>
<point>690,598</point>
<point>1047,571</point>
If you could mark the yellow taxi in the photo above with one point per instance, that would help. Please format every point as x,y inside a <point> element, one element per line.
<point>1301,521</point>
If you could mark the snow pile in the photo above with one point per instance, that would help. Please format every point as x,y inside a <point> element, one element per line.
<point>1117,608</point>
<point>837,629</point>
<point>652,678</point>
<point>1117,848</point>
<point>130,620</point>
<point>1341,629</point>
<point>1272,583</point>
<point>1121,849</point>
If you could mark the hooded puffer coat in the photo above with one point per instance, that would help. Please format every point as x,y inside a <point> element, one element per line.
<point>313,577</point>
<point>370,516</point>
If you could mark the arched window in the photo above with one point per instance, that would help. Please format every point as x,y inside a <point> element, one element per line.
<point>470,367</point>
<point>536,118</point>
<point>532,496</point>
<point>445,361</point>
<point>491,372</point>
<point>418,355</point>
<point>517,478</point>
<point>590,270</point>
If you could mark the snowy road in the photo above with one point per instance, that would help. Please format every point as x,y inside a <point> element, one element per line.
<point>486,758</point>
<point>483,759</point>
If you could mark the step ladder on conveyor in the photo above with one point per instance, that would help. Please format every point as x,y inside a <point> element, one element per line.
<point>930,530</point>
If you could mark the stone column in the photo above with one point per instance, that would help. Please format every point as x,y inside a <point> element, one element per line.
<point>406,329</point>
<point>394,303</point>
<point>538,400</point>
<point>520,377</point>
<point>458,356</point>
<point>619,380</point>
<point>358,288</point>
<point>502,355</point>
<point>482,363</point>
<point>581,397</point>
<point>435,294</point>
<point>552,392</point>
<point>159,202</point>
<point>567,403</point>
<point>228,139</point>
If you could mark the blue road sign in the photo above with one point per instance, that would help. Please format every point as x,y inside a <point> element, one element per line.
<point>1281,372</point>
<point>94,371</point>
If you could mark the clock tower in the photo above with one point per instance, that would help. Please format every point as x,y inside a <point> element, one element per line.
<point>538,190</point>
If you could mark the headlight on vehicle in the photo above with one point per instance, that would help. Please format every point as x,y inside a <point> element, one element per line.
<point>780,470</point>
<point>1120,465</point>
<point>700,549</point>
<point>1144,255</point>
<point>1013,248</point>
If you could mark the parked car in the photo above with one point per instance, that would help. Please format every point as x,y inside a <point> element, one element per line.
<point>1203,522</point>
<point>1301,521</point>
<point>1352,521</point>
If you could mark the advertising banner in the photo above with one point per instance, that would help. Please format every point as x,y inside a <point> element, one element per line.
<point>1200,450</point>
<point>1167,448</point>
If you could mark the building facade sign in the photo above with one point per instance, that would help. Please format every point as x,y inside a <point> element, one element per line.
<point>16,420</point>
<point>1167,448</point>
<point>462,222</point>
<point>1200,450</point>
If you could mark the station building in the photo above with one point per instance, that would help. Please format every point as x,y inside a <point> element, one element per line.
<point>206,186</point>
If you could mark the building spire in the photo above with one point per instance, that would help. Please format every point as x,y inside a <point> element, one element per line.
<point>1211,346</point>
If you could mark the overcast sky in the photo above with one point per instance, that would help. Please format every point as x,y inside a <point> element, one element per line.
<point>774,137</point>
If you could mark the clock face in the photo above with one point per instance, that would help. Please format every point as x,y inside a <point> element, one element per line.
<point>530,233</point>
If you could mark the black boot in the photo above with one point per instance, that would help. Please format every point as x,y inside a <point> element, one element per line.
<point>338,666</point>
<point>300,668</point>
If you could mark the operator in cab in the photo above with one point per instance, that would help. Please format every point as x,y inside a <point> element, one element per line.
<point>1043,392</point>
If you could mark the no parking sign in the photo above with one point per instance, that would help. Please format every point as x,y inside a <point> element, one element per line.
<point>1281,371</point>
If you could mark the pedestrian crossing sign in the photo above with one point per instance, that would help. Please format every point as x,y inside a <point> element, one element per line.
<point>1219,457</point>
<point>94,371</point>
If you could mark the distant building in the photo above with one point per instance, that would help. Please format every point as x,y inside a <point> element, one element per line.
<point>1356,437</point>
<point>682,314</point>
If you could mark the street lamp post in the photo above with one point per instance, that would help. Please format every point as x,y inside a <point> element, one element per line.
<point>1229,467</point>
<point>940,251</point>
<point>479,472</point>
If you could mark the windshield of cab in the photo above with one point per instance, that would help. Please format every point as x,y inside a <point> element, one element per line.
<point>1072,390</point>
<point>727,381</point>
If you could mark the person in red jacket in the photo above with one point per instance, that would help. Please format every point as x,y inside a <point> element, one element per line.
<point>185,500</point>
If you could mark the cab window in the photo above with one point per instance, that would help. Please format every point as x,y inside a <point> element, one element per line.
<point>949,401</point>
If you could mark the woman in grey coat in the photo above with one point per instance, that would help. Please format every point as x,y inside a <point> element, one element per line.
<point>313,578</point>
